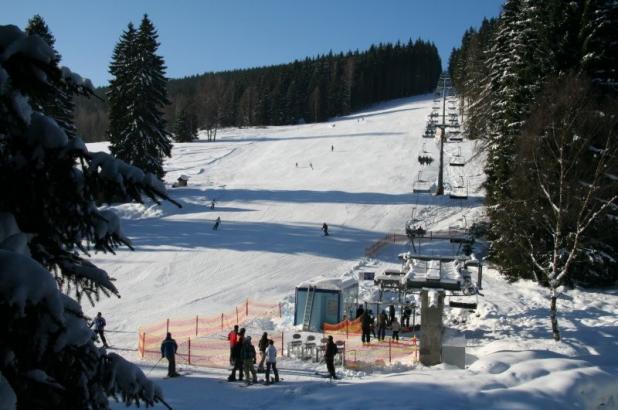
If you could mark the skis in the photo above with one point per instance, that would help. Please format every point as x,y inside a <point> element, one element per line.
<point>178,374</point>
<point>327,376</point>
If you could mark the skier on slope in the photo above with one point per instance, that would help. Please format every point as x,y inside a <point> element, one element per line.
<point>329,357</point>
<point>168,350</point>
<point>99,328</point>
<point>217,223</point>
<point>325,229</point>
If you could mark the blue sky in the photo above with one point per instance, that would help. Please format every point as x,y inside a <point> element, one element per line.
<point>199,36</point>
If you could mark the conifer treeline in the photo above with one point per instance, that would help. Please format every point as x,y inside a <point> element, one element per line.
<point>523,78</point>
<point>310,90</point>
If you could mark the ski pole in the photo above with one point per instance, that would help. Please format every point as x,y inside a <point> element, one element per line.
<point>153,367</point>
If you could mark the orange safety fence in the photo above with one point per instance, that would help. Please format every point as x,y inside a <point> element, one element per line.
<point>380,353</point>
<point>202,340</point>
<point>199,351</point>
<point>377,353</point>
<point>344,327</point>
<point>201,326</point>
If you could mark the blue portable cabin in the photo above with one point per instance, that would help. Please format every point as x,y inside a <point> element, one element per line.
<point>332,299</point>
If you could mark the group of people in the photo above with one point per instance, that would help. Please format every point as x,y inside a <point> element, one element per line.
<point>384,320</point>
<point>243,357</point>
<point>242,354</point>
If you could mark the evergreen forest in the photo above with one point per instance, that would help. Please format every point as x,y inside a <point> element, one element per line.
<point>309,90</point>
<point>538,88</point>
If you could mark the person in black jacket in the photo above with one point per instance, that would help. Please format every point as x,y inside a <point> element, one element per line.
<point>359,311</point>
<point>366,323</point>
<point>382,319</point>
<point>262,345</point>
<point>168,350</point>
<point>99,328</point>
<point>329,356</point>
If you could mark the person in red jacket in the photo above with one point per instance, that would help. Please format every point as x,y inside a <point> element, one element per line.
<point>233,338</point>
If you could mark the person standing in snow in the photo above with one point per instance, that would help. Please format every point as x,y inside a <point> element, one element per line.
<point>391,314</point>
<point>237,357</point>
<point>395,327</point>
<point>212,204</point>
<point>366,327</point>
<point>382,319</point>
<point>332,148</point>
<point>405,321</point>
<point>329,356</point>
<point>325,229</point>
<point>217,223</point>
<point>359,311</point>
<point>271,361</point>
<point>262,345</point>
<point>233,338</point>
<point>248,357</point>
<point>99,328</point>
<point>311,165</point>
<point>168,350</point>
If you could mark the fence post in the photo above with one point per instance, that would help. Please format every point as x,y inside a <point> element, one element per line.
<point>189,353</point>
<point>143,350</point>
<point>279,309</point>
<point>167,326</point>
<point>196,324</point>
<point>221,321</point>
<point>347,324</point>
<point>236,314</point>
<point>247,308</point>
<point>282,344</point>
<point>389,351</point>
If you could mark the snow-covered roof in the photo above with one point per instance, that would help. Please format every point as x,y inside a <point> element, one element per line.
<point>329,283</point>
<point>434,271</point>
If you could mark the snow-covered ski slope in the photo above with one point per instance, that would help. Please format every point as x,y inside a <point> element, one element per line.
<point>270,240</point>
<point>354,173</point>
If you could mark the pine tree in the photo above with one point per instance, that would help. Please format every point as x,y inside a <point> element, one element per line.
<point>141,90</point>
<point>599,46</point>
<point>183,129</point>
<point>48,223</point>
<point>122,68</point>
<point>59,104</point>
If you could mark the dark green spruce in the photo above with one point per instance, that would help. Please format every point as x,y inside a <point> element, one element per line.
<point>137,96</point>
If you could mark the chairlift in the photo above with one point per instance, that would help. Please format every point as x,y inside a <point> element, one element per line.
<point>459,191</point>
<point>457,160</point>
<point>425,159</point>
<point>420,185</point>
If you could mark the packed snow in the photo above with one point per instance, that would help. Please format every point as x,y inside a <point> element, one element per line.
<point>273,188</point>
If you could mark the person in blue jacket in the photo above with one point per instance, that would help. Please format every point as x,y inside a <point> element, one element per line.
<point>168,350</point>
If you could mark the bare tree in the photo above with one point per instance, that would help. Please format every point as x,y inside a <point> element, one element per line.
<point>571,149</point>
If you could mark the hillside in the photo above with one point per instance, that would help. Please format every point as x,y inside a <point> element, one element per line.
<point>270,241</point>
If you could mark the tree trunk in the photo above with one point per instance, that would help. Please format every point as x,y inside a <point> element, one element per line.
<point>553,316</point>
